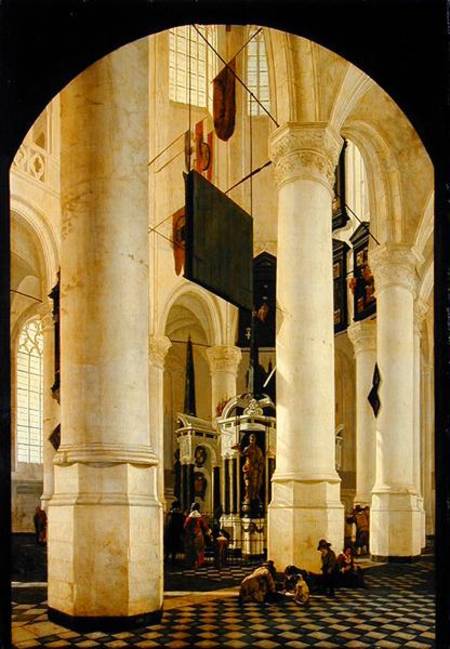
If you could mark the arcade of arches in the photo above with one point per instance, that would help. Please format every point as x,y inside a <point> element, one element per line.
<point>86,203</point>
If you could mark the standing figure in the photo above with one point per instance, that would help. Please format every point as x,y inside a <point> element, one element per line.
<point>40,525</point>
<point>173,533</point>
<point>361,519</point>
<point>328,576</point>
<point>195,530</point>
<point>253,469</point>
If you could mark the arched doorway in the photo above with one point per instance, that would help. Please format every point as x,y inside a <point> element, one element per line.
<point>394,21</point>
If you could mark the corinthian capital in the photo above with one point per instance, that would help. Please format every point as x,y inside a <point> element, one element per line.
<point>308,150</point>
<point>420,313</point>
<point>158,348</point>
<point>395,265</point>
<point>224,358</point>
<point>363,336</point>
<point>46,315</point>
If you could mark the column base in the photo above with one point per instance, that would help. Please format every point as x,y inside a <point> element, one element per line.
<point>395,526</point>
<point>393,559</point>
<point>300,514</point>
<point>106,624</point>
<point>105,543</point>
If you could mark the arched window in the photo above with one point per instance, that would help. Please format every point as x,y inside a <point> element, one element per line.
<point>356,190</point>
<point>29,393</point>
<point>186,43</point>
<point>257,75</point>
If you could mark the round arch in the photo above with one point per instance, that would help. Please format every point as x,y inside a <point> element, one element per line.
<point>205,306</point>
<point>35,223</point>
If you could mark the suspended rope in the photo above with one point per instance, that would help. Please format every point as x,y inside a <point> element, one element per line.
<point>189,98</point>
<point>236,76</point>
<point>13,290</point>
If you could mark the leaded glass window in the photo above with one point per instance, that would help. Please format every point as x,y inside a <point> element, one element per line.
<point>191,82</point>
<point>257,75</point>
<point>29,393</point>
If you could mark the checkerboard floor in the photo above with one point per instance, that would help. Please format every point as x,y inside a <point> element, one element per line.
<point>396,610</point>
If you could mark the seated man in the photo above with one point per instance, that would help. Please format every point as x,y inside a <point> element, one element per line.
<point>258,586</point>
<point>348,574</point>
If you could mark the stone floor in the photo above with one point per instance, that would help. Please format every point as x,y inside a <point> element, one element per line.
<point>396,610</point>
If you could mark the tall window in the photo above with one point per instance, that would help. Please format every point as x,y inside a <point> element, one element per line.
<point>356,192</point>
<point>29,393</point>
<point>258,75</point>
<point>186,44</point>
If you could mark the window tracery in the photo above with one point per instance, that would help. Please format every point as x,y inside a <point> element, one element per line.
<point>192,65</point>
<point>258,75</point>
<point>29,377</point>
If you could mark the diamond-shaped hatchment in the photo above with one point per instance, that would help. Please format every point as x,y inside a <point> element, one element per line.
<point>373,397</point>
<point>55,437</point>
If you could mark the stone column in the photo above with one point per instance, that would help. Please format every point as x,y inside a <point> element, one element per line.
<point>305,486</point>
<point>158,348</point>
<point>428,446</point>
<point>105,521</point>
<point>50,405</point>
<point>223,364</point>
<point>395,521</point>
<point>363,336</point>
<point>420,312</point>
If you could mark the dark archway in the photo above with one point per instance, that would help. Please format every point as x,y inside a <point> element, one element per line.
<point>401,45</point>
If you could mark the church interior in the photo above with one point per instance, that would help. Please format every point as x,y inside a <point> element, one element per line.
<point>283,411</point>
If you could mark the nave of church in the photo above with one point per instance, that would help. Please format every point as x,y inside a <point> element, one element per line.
<point>134,387</point>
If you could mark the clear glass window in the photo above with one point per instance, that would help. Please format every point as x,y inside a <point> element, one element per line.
<point>257,75</point>
<point>191,82</point>
<point>29,379</point>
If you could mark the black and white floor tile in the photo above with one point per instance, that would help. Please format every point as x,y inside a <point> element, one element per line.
<point>396,610</point>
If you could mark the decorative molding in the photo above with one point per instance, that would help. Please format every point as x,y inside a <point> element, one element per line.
<point>395,265</point>
<point>309,151</point>
<point>105,454</point>
<point>157,349</point>
<point>31,160</point>
<point>224,358</point>
<point>363,336</point>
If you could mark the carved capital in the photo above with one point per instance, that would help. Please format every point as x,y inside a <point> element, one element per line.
<point>420,313</point>
<point>46,315</point>
<point>158,348</point>
<point>395,265</point>
<point>308,151</point>
<point>224,358</point>
<point>363,336</point>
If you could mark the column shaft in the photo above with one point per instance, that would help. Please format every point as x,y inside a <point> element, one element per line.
<point>305,502</point>
<point>159,346</point>
<point>50,405</point>
<point>224,363</point>
<point>105,523</point>
<point>395,516</point>
<point>363,337</point>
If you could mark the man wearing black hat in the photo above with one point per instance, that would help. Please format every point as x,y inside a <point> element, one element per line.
<point>328,566</point>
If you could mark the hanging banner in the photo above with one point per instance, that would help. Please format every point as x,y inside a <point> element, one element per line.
<point>224,102</point>
<point>179,239</point>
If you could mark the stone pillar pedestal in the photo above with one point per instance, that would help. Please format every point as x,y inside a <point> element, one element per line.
<point>305,502</point>
<point>252,530</point>
<point>363,336</point>
<point>50,405</point>
<point>158,348</point>
<point>224,364</point>
<point>105,567</point>
<point>395,521</point>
